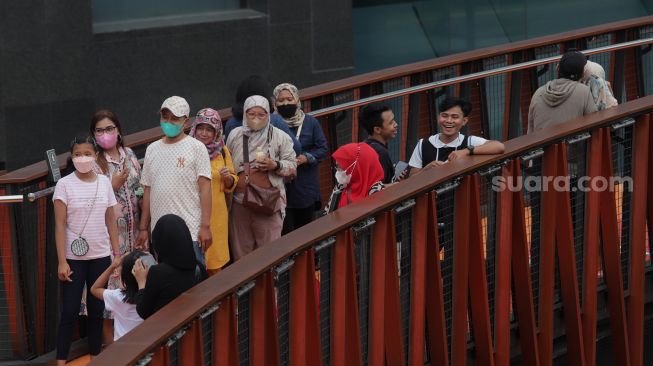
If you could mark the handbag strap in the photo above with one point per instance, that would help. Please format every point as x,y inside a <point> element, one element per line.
<point>246,157</point>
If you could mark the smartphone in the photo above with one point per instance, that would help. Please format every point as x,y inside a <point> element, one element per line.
<point>400,168</point>
<point>148,260</point>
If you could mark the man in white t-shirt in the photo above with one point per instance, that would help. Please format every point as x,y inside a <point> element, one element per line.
<point>176,178</point>
<point>450,144</point>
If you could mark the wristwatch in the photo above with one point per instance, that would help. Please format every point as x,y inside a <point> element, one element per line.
<point>278,166</point>
<point>471,150</point>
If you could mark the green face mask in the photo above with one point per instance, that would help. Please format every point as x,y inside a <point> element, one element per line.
<point>171,129</point>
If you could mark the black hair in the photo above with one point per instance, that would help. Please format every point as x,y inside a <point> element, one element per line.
<point>77,140</point>
<point>83,139</point>
<point>130,290</point>
<point>97,117</point>
<point>370,116</point>
<point>252,85</point>
<point>450,102</point>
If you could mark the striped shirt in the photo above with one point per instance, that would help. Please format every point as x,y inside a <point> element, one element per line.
<point>78,196</point>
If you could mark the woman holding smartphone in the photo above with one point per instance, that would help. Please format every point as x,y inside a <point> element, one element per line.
<point>120,165</point>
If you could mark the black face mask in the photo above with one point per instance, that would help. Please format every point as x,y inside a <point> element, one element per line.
<point>287,110</point>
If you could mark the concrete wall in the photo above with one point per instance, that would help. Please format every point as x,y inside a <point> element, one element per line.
<point>55,71</point>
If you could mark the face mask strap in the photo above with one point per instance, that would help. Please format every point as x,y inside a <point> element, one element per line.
<point>353,165</point>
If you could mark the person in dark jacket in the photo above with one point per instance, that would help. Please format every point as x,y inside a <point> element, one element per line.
<point>175,272</point>
<point>256,85</point>
<point>302,193</point>
<point>379,122</point>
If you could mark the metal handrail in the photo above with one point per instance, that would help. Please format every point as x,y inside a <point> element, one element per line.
<point>16,198</point>
<point>31,197</point>
<point>38,194</point>
<point>472,76</point>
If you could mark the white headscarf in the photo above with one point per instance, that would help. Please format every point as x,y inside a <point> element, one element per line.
<point>256,138</point>
<point>594,78</point>
<point>298,118</point>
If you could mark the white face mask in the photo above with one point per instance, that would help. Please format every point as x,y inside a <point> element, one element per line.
<point>342,177</point>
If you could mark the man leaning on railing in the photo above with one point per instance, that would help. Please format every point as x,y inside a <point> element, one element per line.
<point>450,144</point>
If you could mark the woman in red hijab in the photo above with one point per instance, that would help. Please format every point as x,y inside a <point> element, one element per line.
<point>359,174</point>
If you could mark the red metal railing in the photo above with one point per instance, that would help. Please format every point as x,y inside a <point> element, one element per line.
<point>267,312</point>
<point>473,325</point>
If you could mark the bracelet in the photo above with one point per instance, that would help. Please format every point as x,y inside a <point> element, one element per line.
<point>278,166</point>
<point>116,254</point>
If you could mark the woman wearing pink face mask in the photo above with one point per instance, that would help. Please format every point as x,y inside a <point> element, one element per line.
<point>270,161</point>
<point>85,236</point>
<point>120,165</point>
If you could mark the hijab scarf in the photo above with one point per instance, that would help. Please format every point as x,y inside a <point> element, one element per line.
<point>256,138</point>
<point>365,174</point>
<point>298,118</point>
<point>594,78</point>
<point>212,118</point>
<point>173,244</point>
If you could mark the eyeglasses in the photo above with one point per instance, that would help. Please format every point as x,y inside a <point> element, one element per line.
<point>252,115</point>
<point>109,129</point>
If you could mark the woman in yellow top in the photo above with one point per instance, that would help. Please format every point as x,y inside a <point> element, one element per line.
<point>207,128</point>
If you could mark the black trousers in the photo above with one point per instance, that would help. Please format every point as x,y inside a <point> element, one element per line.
<point>296,218</point>
<point>85,272</point>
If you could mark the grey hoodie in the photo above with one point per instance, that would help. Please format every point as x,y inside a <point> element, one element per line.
<point>558,101</point>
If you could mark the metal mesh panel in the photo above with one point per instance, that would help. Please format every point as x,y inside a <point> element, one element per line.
<point>647,60</point>
<point>207,338</point>
<point>602,58</point>
<point>546,73</point>
<point>397,105</point>
<point>174,354</point>
<point>283,316</point>
<point>622,148</point>
<point>323,266</point>
<point>489,226</point>
<point>532,201</point>
<point>445,212</point>
<point>403,225</point>
<point>343,119</point>
<point>7,297</point>
<point>576,158</point>
<point>441,93</point>
<point>495,96</point>
<point>362,237</point>
<point>243,328</point>
<point>34,279</point>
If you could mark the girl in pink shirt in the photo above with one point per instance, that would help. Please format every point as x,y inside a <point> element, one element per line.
<point>86,235</point>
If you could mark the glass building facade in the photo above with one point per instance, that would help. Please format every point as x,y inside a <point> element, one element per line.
<point>393,32</point>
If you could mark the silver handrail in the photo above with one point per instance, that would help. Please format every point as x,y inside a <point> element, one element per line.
<point>42,193</point>
<point>472,76</point>
<point>17,198</point>
<point>31,197</point>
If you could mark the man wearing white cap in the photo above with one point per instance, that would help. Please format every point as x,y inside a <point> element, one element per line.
<point>177,178</point>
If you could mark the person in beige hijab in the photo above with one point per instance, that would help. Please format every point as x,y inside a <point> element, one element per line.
<point>271,159</point>
<point>594,78</point>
